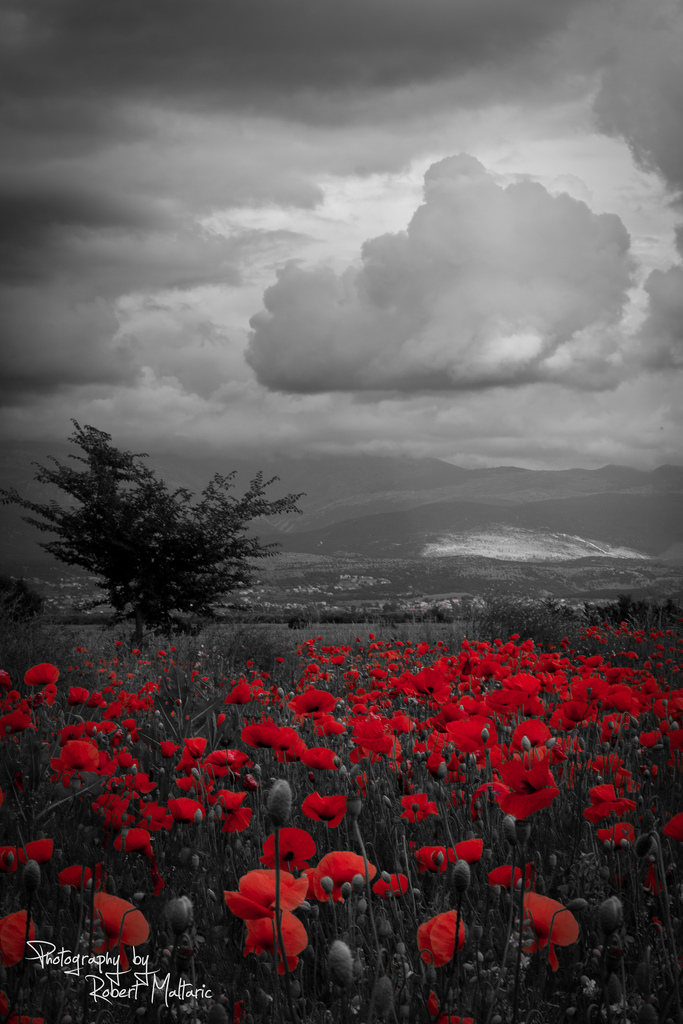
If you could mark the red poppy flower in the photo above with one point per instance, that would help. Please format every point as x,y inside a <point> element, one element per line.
<point>235,818</point>
<point>551,923</point>
<point>604,800</point>
<point>469,850</point>
<point>396,886</point>
<point>8,859</point>
<point>433,1007</point>
<point>256,896</point>
<point>195,746</point>
<point>325,808</point>
<point>121,923</point>
<point>77,876</point>
<point>296,849</point>
<point>436,938</point>
<point>12,937</point>
<point>40,850</point>
<point>267,734</point>
<point>467,734</point>
<point>532,729</point>
<point>341,867</point>
<point>262,937</point>
<point>42,675</point>
<point>481,794</point>
<point>620,830</point>
<point>431,682</point>
<point>431,858</point>
<point>320,757</point>
<point>15,721</point>
<point>674,827</point>
<point>135,840</point>
<point>418,806</point>
<point>530,788</point>
<point>503,875</point>
<point>78,695</point>
<point>168,748</point>
<point>185,809</point>
<point>326,725</point>
<point>154,816</point>
<point>312,701</point>
<point>241,693</point>
<point>80,756</point>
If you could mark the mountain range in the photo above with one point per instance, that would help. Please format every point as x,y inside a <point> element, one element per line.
<point>385,507</point>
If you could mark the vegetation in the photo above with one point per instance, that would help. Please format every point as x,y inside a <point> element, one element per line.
<point>18,601</point>
<point>435,829</point>
<point>153,550</point>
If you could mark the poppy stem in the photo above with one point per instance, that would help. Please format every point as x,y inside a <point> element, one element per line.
<point>278,924</point>
<point>366,871</point>
<point>515,996</point>
<point>675,970</point>
<point>453,980</point>
<point>507,937</point>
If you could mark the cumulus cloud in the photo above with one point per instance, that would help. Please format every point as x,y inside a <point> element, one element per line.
<point>661,333</point>
<point>488,286</point>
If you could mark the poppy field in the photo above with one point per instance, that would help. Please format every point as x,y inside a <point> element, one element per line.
<point>378,830</point>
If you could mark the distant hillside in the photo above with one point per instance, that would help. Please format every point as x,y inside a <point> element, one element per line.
<point>399,507</point>
<point>645,524</point>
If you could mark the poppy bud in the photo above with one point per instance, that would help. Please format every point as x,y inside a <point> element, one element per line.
<point>610,914</point>
<point>353,806</point>
<point>346,890</point>
<point>509,830</point>
<point>644,845</point>
<point>326,884</point>
<point>577,904</point>
<point>179,914</point>
<point>614,988</point>
<point>280,803</point>
<point>358,882</point>
<point>384,996</point>
<point>484,735</point>
<point>461,876</point>
<point>340,962</point>
<point>439,859</point>
<point>31,876</point>
<point>198,816</point>
<point>552,861</point>
<point>647,1014</point>
<point>526,743</point>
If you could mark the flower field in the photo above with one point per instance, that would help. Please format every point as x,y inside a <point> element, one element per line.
<point>378,830</point>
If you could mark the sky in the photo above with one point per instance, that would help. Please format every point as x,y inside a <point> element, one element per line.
<point>448,228</point>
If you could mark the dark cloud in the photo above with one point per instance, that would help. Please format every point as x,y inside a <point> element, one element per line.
<point>237,52</point>
<point>640,96</point>
<point>488,287</point>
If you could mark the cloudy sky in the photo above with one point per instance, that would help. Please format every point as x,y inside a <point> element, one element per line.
<point>430,227</point>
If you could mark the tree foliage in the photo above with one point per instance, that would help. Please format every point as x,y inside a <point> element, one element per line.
<point>154,551</point>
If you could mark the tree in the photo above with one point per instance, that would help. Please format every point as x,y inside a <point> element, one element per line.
<point>153,550</point>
